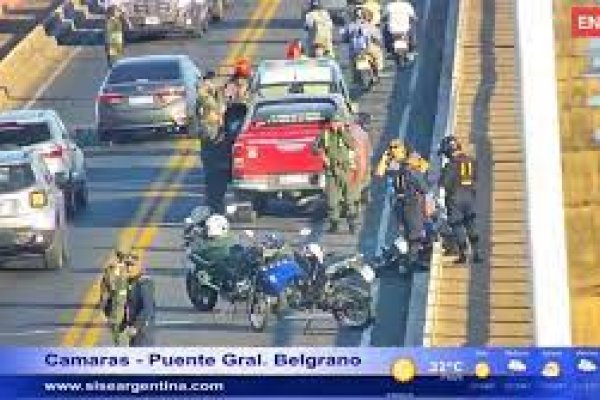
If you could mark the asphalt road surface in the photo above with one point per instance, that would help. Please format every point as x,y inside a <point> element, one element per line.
<point>141,192</point>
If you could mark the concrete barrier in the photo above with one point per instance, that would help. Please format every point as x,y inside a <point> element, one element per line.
<point>28,65</point>
<point>539,104</point>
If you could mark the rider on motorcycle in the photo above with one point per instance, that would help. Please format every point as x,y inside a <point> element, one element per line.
<point>364,36</point>
<point>400,17</point>
<point>216,243</point>
<point>372,8</point>
<point>319,26</point>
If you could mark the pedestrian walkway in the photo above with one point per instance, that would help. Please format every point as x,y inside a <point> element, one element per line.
<point>488,303</point>
<point>578,76</point>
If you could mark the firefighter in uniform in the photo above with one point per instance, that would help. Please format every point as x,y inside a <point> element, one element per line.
<point>114,35</point>
<point>409,186</point>
<point>127,299</point>
<point>337,146</point>
<point>215,147</point>
<point>458,182</point>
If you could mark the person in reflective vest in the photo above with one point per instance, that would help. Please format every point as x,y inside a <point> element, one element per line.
<point>114,33</point>
<point>319,26</point>
<point>458,179</point>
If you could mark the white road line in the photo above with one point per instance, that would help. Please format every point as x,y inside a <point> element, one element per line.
<point>61,67</point>
<point>385,214</point>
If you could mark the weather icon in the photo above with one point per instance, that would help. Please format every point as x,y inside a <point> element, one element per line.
<point>482,370</point>
<point>586,365</point>
<point>551,369</point>
<point>517,366</point>
<point>404,370</point>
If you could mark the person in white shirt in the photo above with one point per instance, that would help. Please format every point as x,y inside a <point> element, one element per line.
<point>319,26</point>
<point>399,16</point>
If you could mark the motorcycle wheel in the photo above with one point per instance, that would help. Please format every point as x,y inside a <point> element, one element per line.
<point>365,79</point>
<point>353,312</point>
<point>203,298</point>
<point>259,311</point>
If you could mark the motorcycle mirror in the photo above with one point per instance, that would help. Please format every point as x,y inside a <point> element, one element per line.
<point>305,232</point>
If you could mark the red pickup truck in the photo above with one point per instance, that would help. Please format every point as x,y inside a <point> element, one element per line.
<point>273,154</point>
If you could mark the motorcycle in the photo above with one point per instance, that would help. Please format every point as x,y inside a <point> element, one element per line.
<point>364,70</point>
<point>273,270</point>
<point>204,280</point>
<point>296,281</point>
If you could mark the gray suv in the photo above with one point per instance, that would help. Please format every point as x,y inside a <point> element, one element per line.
<point>166,16</point>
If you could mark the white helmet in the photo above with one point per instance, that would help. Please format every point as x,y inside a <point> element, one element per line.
<point>216,226</point>
<point>314,250</point>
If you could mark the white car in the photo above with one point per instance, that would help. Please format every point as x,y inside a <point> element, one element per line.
<point>32,209</point>
<point>43,131</point>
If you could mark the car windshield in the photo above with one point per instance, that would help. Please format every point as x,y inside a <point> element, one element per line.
<point>154,70</point>
<point>290,112</point>
<point>23,134</point>
<point>15,177</point>
<point>312,88</point>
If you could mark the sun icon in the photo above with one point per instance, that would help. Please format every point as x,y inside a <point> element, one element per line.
<point>482,370</point>
<point>404,370</point>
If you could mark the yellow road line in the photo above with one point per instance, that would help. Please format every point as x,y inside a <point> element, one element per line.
<point>146,235</point>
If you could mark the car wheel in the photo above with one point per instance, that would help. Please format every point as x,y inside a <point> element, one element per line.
<point>55,256</point>
<point>81,197</point>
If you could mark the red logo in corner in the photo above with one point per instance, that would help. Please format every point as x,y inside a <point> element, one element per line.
<point>585,21</point>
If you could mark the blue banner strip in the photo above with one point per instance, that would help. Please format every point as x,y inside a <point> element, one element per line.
<point>53,386</point>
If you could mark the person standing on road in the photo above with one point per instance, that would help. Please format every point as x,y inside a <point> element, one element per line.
<point>409,186</point>
<point>458,178</point>
<point>319,26</point>
<point>114,35</point>
<point>127,299</point>
<point>337,146</point>
<point>400,18</point>
<point>215,150</point>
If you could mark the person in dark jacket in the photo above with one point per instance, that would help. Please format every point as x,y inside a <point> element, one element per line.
<point>458,178</point>
<point>127,299</point>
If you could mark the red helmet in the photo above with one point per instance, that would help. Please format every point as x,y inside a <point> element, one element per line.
<point>243,68</point>
<point>294,50</point>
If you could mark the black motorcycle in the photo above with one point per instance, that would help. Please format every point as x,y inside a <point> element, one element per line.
<point>205,281</point>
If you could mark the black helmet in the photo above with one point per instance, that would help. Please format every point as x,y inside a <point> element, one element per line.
<point>210,75</point>
<point>449,146</point>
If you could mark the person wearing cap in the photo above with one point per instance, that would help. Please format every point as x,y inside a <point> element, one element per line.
<point>336,144</point>
<point>457,179</point>
<point>237,90</point>
<point>127,299</point>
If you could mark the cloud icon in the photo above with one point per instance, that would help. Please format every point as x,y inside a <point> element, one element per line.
<point>517,366</point>
<point>586,365</point>
<point>551,369</point>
